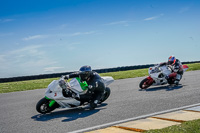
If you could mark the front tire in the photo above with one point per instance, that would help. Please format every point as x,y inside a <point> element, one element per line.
<point>43,106</point>
<point>145,83</point>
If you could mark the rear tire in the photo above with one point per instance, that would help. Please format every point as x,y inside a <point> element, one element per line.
<point>144,84</point>
<point>43,106</point>
<point>105,95</point>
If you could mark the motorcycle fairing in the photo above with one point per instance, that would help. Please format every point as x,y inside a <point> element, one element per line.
<point>52,102</point>
<point>107,80</point>
<point>155,73</point>
<point>150,80</point>
<point>77,85</point>
<point>54,91</point>
<point>68,103</point>
<point>185,67</point>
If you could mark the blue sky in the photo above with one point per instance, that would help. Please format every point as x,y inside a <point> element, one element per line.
<point>48,36</point>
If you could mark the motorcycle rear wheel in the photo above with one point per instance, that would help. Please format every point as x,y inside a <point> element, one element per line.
<point>43,106</point>
<point>106,95</point>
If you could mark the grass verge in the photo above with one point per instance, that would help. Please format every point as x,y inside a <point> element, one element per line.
<point>43,83</point>
<point>25,85</point>
<point>186,127</point>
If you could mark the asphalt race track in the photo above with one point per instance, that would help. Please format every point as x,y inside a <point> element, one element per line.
<point>18,113</point>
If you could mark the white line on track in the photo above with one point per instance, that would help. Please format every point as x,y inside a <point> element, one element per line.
<point>131,119</point>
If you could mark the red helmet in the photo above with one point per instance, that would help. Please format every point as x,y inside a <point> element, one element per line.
<point>171,60</point>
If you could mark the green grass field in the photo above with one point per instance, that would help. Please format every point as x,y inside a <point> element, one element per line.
<point>43,83</point>
<point>186,127</point>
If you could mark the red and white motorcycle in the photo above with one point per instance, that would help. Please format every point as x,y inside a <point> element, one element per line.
<point>157,76</point>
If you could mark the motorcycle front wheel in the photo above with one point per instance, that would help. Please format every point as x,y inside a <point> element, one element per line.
<point>145,83</point>
<point>43,106</point>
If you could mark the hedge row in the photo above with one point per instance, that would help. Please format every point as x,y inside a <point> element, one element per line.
<point>105,70</point>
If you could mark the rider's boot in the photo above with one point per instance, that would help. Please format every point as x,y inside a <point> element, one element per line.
<point>93,105</point>
<point>178,78</point>
<point>176,82</point>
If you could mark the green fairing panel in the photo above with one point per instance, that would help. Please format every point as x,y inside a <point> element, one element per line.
<point>83,85</point>
<point>47,98</point>
<point>52,102</point>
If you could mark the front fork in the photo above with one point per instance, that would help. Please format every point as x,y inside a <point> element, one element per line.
<point>52,102</point>
<point>149,81</point>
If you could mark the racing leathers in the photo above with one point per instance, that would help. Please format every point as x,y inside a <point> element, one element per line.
<point>176,68</point>
<point>96,88</point>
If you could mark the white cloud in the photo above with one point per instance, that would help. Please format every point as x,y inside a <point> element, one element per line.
<point>32,56</point>
<point>154,17</point>
<point>76,34</point>
<point>184,9</point>
<point>24,61</point>
<point>60,27</point>
<point>6,20</point>
<point>59,35</point>
<point>124,23</point>
<point>5,34</point>
<point>52,69</point>
<point>34,37</point>
<point>82,33</point>
<point>32,49</point>
<point>151,18</point>
<point>2,58</point>
<point>71,46</point>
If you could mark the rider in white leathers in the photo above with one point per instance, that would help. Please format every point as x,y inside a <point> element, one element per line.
<point>176,66</point>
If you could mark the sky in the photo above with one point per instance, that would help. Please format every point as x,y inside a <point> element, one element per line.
<point>53,36</point>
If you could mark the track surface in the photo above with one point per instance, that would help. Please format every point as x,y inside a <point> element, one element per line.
<point>18,114</point>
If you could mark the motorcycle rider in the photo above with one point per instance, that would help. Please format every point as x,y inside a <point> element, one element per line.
<point>176,67</point>
<point>95,83</point>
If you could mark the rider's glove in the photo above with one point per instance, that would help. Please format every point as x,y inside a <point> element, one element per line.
<point>74,95</point>
<point>62,84</point>
<point>167,77</point>
<point>176,68</point>
<point>90,87</point>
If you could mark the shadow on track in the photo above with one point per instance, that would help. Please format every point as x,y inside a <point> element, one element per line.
<point>69,114</point>
<point>167,88</point>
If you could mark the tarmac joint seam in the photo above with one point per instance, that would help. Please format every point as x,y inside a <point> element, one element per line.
<point>130,128</point>
<point>192,111</point>
<point>167,119</point>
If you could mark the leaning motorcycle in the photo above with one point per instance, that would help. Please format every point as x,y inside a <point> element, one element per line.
<point>157,76</point>
<point>57,97</point>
